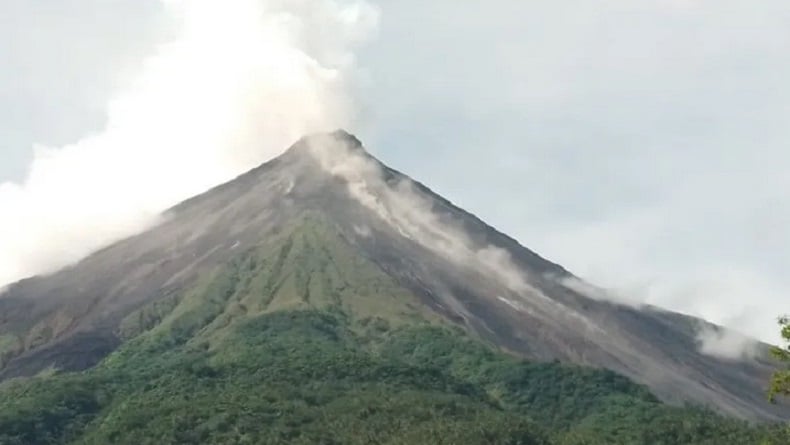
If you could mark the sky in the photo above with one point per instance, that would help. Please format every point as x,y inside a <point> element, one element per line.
<point>644,145</point>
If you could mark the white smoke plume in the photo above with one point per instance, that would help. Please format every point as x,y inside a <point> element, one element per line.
<point>241,80</point>
<point>712,340</point>
<point>726,343</point>
<point>597,293</point>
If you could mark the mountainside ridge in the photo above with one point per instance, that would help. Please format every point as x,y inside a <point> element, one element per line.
<point>450,264</point>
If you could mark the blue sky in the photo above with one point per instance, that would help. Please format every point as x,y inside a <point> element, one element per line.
<point>642,144</point>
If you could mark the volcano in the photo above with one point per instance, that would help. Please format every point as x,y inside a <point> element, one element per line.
<point>328,227</point>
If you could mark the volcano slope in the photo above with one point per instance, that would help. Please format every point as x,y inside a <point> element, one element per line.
<point>326,298</point>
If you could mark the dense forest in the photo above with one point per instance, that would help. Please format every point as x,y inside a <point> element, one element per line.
<point>319,377</point>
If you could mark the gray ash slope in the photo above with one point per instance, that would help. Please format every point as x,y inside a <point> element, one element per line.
<point>456,265</point>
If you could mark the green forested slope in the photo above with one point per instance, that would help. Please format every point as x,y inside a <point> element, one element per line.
<point>300,341</point>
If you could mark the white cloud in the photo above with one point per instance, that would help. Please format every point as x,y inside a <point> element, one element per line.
<point>726,344</point>
<point>598,293</point>
<point>241,80</point>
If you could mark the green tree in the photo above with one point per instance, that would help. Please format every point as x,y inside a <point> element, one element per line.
<point>780,383</point>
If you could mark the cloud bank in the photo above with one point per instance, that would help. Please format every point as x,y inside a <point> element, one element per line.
<point>240,81</point>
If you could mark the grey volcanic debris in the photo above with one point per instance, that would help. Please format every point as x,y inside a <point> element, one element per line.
<point>457,265</point>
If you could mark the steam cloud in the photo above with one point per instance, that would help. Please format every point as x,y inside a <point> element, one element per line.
<point>711,340</point>
<point>597,293</point>
<point>726,344</point>
<point>240,82</point>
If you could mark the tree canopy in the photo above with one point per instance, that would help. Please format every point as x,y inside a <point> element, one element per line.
<point>780,383</point>
<point>315,377</point>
